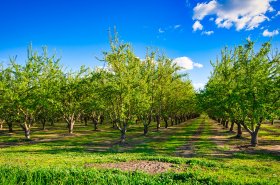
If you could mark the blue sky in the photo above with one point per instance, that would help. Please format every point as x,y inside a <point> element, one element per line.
<point>192,32</point>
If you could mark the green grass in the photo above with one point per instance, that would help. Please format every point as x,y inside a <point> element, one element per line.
<point>54,157</point>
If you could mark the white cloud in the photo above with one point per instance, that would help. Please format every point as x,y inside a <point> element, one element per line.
<point>177,26</point>
<point>243,14</point>
<point>160,30</point>
<point>267,33</point>
<point>207,33</point>
<point>278,13</point>
<point>197,26</point>
<point>186,63</point>
<point>198,86</point>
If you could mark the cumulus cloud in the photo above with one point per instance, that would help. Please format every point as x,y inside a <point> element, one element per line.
<point>186,63</point>
<point>197,26</point>
<point>207,33</point>
<point>243,14</point>
<point>278,13</point>
<point>267,33</point>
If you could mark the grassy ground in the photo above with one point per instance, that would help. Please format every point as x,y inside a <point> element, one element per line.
<point>204,152</point>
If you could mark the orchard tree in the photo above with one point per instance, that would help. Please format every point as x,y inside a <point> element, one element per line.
<point>244,87</point>
<point>70,96</point>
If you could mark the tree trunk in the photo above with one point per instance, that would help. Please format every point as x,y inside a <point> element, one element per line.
<point>85,120</point>
<point>27,133</point>
<point>227,123</point>
<point>123,137</point>
<point>166,121</point>
<point>123,133</point>
<point>71,126</point>
<point>158,122</point>
<point>44,123</point>
<point>1,126</point>
<point>10,125</point>
<point>239,130</point>
<point>101,119</point>
<point>223,122</point>
<point>114,124</point>
<point>272,122</point>
<point>26,128</point>
<point>254,139</point>
<point>146,129</point>
<point>52,122</point>
<point>231,126</point>
<point>95,122</point>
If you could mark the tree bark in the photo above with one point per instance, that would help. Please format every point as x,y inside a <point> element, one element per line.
<point>123,133</point>
<point>26,128</point>
<point>52,122</point>
<point>95,122</point>
<point>226,123</point>
<point>101,119</point>
<point>231,126</point>
<point>1,126</point>
<point>71,126</point>
<point>146,130</point>
<point>85,120</point>
<point>27,133</point>
<point>166,121</point>
<point>239,130</point>
<point>272,122</point>
<point>44,123</point>
<point>158,122</point>
<point>254,139</point>
<point>10,125</point>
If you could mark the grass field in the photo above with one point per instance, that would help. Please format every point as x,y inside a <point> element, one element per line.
<point>198,151</point>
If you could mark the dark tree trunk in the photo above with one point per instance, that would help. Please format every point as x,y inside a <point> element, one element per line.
<point>43,123</point>
<point>158,122</point>
<point>239,130</point>
<point>166,121</point>
<point>52,122</point>
<point>254,139</point>
<point>1,126</point>
<point>146,130</point>
<point>85,120</point>
<point>101,119</point>
<point>123,133</point>
<point>95,122</point>
<point>272,122</point>
<point>114,122</point>
<point>223,122</point>
<point>231,126</point>
<point>10,125</point>
<point>172,121</point>
<point>227,123</point>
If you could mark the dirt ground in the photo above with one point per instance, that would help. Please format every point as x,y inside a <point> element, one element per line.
<point>151,167</point>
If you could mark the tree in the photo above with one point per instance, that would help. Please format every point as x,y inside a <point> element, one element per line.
<point>70,96</point>
<point>252,82</point>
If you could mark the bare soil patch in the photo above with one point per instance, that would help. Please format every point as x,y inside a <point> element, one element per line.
<point>151,167</point>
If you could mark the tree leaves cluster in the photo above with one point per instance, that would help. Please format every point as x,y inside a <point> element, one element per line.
<point>244,88</point>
